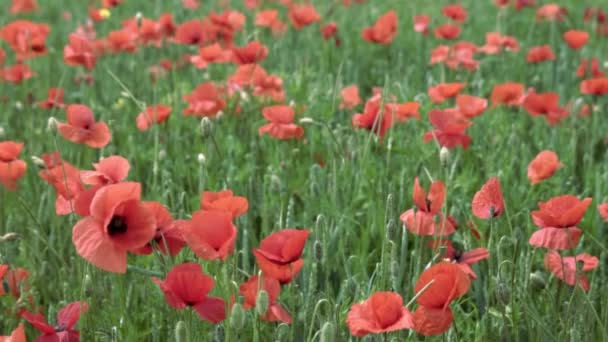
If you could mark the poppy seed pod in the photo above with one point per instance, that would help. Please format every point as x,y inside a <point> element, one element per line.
<point>537,280</point>
<point>181,332</point>
<point>38,162</point>
<point>237,317</point>
<point>502,293</point>
<point>51,125</point>
<point>261,302</point>
<point>206,127</point>
<point>444,156</point>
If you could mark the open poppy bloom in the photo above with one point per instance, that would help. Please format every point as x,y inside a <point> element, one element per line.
<point>421,23</point>
<point>463,259</point>
<point>557,219</point>
<point>210,234</point>
<point>16,278</point>
<point>602,210</point>
<point>576,39</point>
<point>538,54</point>
<point>350,97</point>
<point>422,221</point>
<point>543,166</point>
<point>11,168</point>
<point>80,51</point>
<point>447,31</point>
<point>156,114</point>
<point>455,12</point>
<point>16,73</point>
<point>18,335</point>
<point>302,15</point>
<point>250,289</point>
<point>330,30</point>
<point>279,255</point>
<point>27,39</point>
<point>595,86</point>
<point>382,312</point>
<point>3,271</point>
<point>551,12</point>
<point>403,111</point>
<point>495,42</point>
<point>280,124</point>
<point>444,91</point>
<point>67,317</point>
<point>169,239</point>
<point>54,100</point>
<point>471,106</point>
<point>546,104</point>
<point>565,268</point>
<point>187,286</point>
<point>459,55</point>
<point>589,68</point>
<point>119,223</point>
<point>81,127</point>
<point>444,283</point>
<point>224,201</point>
<point>488,201</point>
<point>65,178</point>
<point>262,84</point>
<point>372,118</point>
<point>205,100</point>
<point>194,32</point>
<point>211,54</point>
<point>253,52</point>
<point>23,6</point>
<point>450,127</point>
<point>384,30</point>
<point>270,18</point>
<point>509,93</point>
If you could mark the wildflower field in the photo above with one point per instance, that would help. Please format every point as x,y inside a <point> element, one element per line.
<point>285,170</point>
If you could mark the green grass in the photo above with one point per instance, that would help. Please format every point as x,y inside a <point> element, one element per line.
<point>352,204</point>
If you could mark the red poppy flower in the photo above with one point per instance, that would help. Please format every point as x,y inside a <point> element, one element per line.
<point>602,210</point>
<point>350,97</point>
<point>16,279</point>
<point>65,178</point>
<point>119,223</point>
<point>187,286</point>
<point>447,31</point>
<point>27,39</point>
<point>262,84</point>
<point>382,312</point>
<point>205,100</point>
<point>253,52</point>
<point>155,114</point>
<point>11,168</point>
<point>403,111</point>
<point>421,23</point>
<point>509,93</point>
<point>538,54</point>
<point>450,128</point>
<point>384,30</point>
<point>270,19</point>
<point>3,271</point>
<point>280,124</point>
<point>303,15</point>
<point>54,99</point>
<point>191,4</point>
<point>557,219</point>
<point>225,25</point>
<point>373,118</point>
<point>250,289</point>
<point>80,51</point>
<point>565,268</point>
<point>81,127</point>
<point>210,234</point>
<point>455,12</point>
<point>576,39</point>
<point>67,317</point>
<point>210,54</point>
<point>444,91</point>
<point>551,12</point>
<point>194,32</point>
<point>444,282</point>
<point>488,201</point>
<point>543,166</point>
<point>224,201</point>
<point>23,6</point>
<point>18,335</point>
<point>169,237</point>
<point>463,259</point>
<point>279,255</point>
<point>595,86</point>
<point>16,73</point>
<point>459,55</point>
<point>111,3</point>
<point>589,68</point>
<point>496,41</point>
<point>546,104</point>
<point>471,106</point>
<point>329,30</point>
<point>422,221</point>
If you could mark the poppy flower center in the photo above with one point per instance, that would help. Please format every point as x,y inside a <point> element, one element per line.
<point>60,328</point>
<point>117,226</point>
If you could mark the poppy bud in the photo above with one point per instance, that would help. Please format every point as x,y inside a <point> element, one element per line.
<point>2,132</point>
<point>328,332</point>
<point>38,162</point>
<point>261,302</point>
<point>10,237</point>
<point>318,250</point>
<point>206,127</point>
<point>237,317</point>
<point>244,96</point>
<point>181,332</point>
<point>218,333</point>
<point>502,293</point>
<point>537,280</point>
<point>391,230</point>
<point>162,154</point>
<point>19,106</point>
<point>87,285</point>
<point>444,156</point>
<point>282,331</point>
<point>395,274</point>
<point>51,125</point>
<point>201,159</point>
<point>307,120</point>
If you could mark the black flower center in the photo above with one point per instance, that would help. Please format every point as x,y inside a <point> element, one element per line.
<point>117,226</point>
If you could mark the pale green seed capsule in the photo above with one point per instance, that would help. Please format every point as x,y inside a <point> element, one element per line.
<point>237,317</point>
<point>206,127</point>
<point>262,302</point>
<point>537,280</point>
<point>181,332</point>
